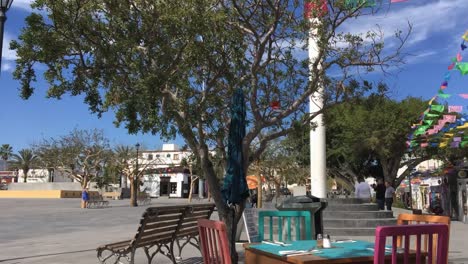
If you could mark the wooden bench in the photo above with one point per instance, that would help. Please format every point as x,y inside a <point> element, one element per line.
<point>159,230</point>
<point>112,195</point>
<point>97,202</point>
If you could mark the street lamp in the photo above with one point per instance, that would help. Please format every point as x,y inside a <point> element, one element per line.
<point>4,6</point>
<point>135,181</point>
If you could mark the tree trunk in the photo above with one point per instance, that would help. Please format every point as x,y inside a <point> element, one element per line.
<point>390,168</point>
<point>25,173</point>
<point>226,214</point>
<point>277,187</point>
<point>192,184</point>
<point>133,192</point>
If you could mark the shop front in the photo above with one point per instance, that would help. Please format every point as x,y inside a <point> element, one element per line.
<point>170,184</point>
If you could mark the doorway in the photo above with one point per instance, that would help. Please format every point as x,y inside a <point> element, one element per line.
<point>164,186</point>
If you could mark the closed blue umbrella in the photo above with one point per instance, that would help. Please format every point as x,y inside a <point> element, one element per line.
<point>235,188</point>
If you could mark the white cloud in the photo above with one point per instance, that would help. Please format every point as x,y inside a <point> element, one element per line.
<point>7,54</point>
<point>7,67</point>
<point>419,57</point>
<point>426,19</point>
<point>22,4</point>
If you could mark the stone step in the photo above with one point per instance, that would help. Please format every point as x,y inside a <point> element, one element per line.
<point>351,207</point>
<point>350,232</point>
<point>357,214</point>
<point>357,222</point>
<point>347,201</point>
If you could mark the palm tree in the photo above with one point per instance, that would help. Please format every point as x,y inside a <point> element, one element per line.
<point>25,160</point>
<point>5,152</point>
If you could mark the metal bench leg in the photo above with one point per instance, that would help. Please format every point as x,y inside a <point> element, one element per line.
<point>169,254</point>
<point>112,254</point>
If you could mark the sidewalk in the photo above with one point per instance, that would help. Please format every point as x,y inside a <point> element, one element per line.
<point>59,232</point>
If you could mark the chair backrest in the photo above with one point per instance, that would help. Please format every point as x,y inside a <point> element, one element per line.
<point>285,217</point>
<point>409,219</point>
<point>159,224</point>
<point>214,242</point>
<point>439,254</point>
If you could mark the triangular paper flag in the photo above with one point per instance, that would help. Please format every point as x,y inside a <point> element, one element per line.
<point>449,118</point>
<point>463,46</point>
<point>437,108</point>
<point>465,36</point>
<point>459,57</point>
<point>455,108</point>
<point>447,76</point>
<point>464,96</point>
<point>443,95</point>
<point>463,67</point>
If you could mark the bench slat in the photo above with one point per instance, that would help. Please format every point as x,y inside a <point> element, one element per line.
<point>156,224</point>
<point>159,230</point>
<point>155,239</point>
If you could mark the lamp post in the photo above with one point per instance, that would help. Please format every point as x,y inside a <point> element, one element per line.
<point>4,6</point>
<point>135,180</point>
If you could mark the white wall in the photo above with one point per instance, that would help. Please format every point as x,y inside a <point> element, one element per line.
<point>41,176</point>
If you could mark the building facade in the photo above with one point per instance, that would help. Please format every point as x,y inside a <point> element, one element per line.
<point>164,172</point>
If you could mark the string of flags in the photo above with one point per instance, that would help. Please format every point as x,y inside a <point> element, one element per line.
<point>441,126</point>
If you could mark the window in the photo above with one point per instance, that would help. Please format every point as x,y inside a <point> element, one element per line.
<point>150,156</point>
<point>168,155</point>
<point>176,157</point>
<point>157,155</point>
<point>173,187</point>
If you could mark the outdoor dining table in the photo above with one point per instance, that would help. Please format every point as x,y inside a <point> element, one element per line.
<point>350,251</point>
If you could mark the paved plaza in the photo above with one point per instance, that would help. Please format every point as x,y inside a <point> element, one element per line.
<point>57,231</point>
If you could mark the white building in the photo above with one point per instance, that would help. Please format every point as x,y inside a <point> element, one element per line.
<point>164,175</point>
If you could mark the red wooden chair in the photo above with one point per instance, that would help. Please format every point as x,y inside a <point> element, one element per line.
<point>440,230</point>
<point>214,242</point>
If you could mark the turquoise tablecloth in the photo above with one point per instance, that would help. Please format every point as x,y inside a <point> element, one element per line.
<point>339,250</point>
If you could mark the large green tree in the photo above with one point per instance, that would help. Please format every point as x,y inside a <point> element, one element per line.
<point>372,129</point>
<point>170,67</point>
<point>24,160</point>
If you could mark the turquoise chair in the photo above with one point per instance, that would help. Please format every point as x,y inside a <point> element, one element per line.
<point>283,216</point>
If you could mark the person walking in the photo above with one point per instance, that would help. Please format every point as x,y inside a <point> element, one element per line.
<point>380,194</point>
<point>362,189</point>
<point>389,193</point>
<point>84,198</point>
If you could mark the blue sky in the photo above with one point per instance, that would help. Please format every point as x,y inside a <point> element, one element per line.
<point>437,29</point>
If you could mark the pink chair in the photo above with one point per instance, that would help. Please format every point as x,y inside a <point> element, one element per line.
<point>439,230</point>
<point>214,242</point>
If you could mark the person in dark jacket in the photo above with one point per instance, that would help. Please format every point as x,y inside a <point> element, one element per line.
<point>380,193</point>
